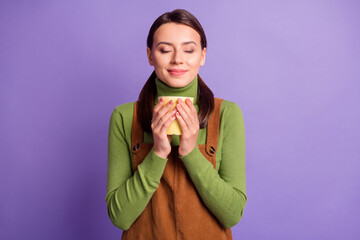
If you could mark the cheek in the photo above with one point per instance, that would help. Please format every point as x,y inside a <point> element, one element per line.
<point>195,61</point>
<point>160,61</point>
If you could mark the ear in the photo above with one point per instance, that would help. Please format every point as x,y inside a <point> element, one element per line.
<point>148,51</point>
<point>203,56</point>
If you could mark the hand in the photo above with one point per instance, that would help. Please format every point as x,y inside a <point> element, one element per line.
<point>189,124</point>
<point>161,120</point>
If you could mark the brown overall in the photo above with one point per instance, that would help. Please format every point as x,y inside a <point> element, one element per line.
<point>176,211</point>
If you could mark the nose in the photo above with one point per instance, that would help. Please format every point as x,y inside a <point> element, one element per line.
<point>177,58</point>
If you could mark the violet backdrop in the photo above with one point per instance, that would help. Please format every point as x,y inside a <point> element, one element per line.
<point>293,67</point>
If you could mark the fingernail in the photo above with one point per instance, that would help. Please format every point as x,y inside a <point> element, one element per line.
<point>162,99</point>
<point>171,102</point>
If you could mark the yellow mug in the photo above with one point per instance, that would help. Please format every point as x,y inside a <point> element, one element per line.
<point>174,128</point>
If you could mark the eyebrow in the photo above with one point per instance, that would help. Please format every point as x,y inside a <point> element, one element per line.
<point>170,44</point>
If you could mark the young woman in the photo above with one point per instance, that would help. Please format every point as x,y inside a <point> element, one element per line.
<point>188,186</point>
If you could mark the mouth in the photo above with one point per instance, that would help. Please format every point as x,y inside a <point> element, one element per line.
<point>177,72</point>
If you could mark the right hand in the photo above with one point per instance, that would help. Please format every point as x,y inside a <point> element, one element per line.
<point>161,120</point>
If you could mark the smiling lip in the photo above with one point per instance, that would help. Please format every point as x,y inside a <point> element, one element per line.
<point>177,72</point>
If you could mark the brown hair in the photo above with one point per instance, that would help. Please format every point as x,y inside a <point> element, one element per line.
<point>148,93</point>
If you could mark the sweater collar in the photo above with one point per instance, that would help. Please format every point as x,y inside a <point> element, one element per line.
<point>190,90</point>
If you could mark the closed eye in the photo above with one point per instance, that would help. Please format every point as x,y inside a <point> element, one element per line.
<point>164,51</point>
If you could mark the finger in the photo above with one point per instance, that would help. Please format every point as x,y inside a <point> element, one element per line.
<point>157,107</point>
<point>182,123</point>
<point>190,104</point>
<point>184,115</point>
<point>184,105</point>
<point>159,104</point>
<point>163,120</point>
<point>162,111</point>
<point>189,109</point>
<point>161,115</point>
<point>166,124</point>
<point>192,111</point>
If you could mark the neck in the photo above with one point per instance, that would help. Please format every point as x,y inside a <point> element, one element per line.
<point>190,90</point>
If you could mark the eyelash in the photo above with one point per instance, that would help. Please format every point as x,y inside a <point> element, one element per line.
<point>163,51</point>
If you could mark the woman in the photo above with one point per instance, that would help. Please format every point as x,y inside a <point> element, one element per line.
<point>190,186</point>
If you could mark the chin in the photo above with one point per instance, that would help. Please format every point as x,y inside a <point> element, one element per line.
<point>178,82</point>
<point>174,85</point>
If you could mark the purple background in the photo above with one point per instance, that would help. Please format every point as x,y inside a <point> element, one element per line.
<point>292,66</point>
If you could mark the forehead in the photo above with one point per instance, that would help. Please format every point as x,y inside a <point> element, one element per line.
<point>176,33</point>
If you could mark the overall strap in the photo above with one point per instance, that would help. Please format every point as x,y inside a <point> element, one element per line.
<point>136,132</point>
<point>213,125</point>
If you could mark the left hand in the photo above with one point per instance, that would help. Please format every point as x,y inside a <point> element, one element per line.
<point>189,123</point>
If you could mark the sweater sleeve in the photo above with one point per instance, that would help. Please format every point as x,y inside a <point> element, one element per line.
<point>223,191</point>
<point>128,192</point>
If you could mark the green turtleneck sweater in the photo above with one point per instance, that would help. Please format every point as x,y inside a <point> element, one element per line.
<point>223,189</point>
